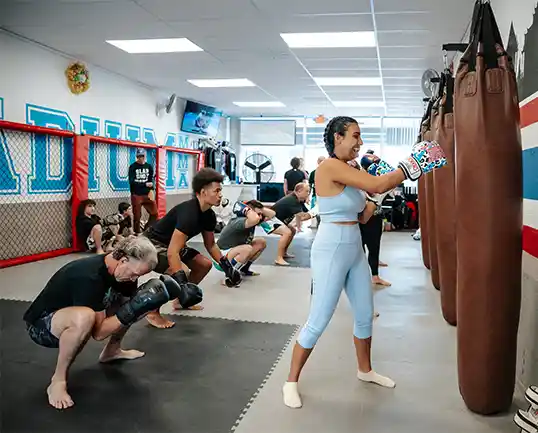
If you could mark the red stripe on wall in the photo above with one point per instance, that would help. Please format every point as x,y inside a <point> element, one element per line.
<point>529,113</point>
<point>530,241</point>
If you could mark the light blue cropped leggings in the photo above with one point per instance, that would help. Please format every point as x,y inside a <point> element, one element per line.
<point>338,262</point>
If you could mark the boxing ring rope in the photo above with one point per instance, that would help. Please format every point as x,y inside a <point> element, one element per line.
<point>39,223</point>
<point>24,197</point>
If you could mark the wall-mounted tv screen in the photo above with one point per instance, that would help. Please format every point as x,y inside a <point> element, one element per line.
<point>201,119</point>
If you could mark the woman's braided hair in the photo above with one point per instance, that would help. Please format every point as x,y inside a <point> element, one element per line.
<point>337,125</point>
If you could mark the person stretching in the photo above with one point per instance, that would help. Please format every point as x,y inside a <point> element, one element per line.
<point>237,239</point>
<point>171,233</point>
<point>289,210</point>
<point>337,259</point>
<point>95,297</point>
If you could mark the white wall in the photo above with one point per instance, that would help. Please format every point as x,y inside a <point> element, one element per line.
<point>33,75</point>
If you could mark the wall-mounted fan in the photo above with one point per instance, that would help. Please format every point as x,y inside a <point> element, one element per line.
<point>258,168</point>
<point>428,87</point>
<point>167,106</point>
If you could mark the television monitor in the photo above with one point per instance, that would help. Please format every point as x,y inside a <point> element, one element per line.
<point>201,119</point>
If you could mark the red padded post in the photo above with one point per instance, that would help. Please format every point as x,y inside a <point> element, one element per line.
<point>160,181</point>
<point>80,180</point>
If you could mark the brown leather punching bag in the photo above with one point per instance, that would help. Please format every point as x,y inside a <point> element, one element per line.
<point>445,204</point>
<point>430,200</point>
<point>422,194</point>
<point>489,221</point>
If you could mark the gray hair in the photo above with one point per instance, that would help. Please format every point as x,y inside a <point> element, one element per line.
<point>139,248</point>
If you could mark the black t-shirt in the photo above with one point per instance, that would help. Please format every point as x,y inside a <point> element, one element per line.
<point>84,225</point>
<point>187,217</point>
<point>81,283</point>
<point>293,177</point>
<point>139,175</point>
<point>287,207</point>
<point>312,182</point>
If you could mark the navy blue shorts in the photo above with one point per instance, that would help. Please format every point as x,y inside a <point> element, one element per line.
<point>40,333</point>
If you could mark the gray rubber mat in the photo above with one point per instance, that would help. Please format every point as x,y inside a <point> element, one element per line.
<point>196,377</point>
<point>300,248</point>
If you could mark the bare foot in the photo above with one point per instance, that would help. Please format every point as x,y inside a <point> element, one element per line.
<point>281,262</point>
<point>380,282</point>
<point>289,256</point>
<point>382,264</point>
<point>58,396</point>
<point>158,321</point>
<point>100,251</point>
<point>119,354</point>
<point>177,306</point>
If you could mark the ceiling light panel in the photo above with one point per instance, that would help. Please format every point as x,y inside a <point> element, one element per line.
<point>330,40</point>
<point>225,82</point>
<point>155,46</point>
<point>348,81</point>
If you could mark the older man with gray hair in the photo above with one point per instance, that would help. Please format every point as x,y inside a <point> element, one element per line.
<point>97,297</point>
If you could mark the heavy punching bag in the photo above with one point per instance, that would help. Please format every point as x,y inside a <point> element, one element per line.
<point>422,195</point>
<point>430,202</point>
<point>445,204</point>
<point>489,220</point>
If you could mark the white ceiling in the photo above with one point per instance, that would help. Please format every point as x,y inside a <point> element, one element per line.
<point>240,39</point>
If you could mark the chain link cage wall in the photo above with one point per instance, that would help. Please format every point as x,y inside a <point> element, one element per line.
<point>108,175</point>
<point>180,169</point>
<point>35,193</point>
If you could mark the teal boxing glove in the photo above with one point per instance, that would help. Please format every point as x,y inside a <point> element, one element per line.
<point>425,157</point>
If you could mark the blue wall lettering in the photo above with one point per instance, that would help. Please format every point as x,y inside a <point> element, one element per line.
<point>170,170</point>
<point>183,141</point>
<point>1,108</point>
<point>183,167</point>
<point>112,129</point>
<point>91,126</point>
<point>42,180</point>
<point>149,136</point>
<point>132,133</point>
<point>170,140</point>
<point>10,181</point>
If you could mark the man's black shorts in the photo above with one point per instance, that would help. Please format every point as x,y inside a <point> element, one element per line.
<point>186,255</point>
<point>40,332</point>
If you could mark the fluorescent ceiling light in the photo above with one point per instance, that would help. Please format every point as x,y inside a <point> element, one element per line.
<point>364,104</point>
<point>145,46</point>
<point>226,82</point>
<point>266,104</point>
<point>329,40</point>
<point>348,81</point>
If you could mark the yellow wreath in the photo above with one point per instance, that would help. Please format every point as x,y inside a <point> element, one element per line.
<point>78,78</point>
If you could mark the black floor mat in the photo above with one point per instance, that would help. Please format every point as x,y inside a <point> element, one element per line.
<point>300,248</point>
<point>195,377</point>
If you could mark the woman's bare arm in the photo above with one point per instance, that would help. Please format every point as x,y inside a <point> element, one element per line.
<point>367,212</point>
<point>346,175</point>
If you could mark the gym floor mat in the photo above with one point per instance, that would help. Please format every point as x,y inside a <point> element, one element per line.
<point>195,377</point>
<point>300,248</point>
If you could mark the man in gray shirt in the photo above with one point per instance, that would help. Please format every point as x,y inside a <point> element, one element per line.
<point>237,240</point>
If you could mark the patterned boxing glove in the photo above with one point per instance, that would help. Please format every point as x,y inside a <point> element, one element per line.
<point>379,168</point>
<point>240,209</point>
<point>425,157</point>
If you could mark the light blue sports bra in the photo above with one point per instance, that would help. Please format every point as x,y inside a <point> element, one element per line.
<point>342,207</point>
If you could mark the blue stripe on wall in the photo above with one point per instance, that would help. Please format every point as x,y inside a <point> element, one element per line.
<point>530,173</point>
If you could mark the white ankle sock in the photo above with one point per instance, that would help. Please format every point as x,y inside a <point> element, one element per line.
<point>291,395</point>
<point>373,377</point>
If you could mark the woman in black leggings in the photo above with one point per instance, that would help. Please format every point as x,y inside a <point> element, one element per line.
<point>371,238</point>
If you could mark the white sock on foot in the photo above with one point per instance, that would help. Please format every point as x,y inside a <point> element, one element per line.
<point>373,377</point>
<point>291,395</point>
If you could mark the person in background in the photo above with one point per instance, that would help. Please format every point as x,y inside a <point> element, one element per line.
<point>171,233</point>
<point>88,226</point>
<point>287,209</point>
<point>141,177</point>
<point>294,176</point>
<point>237,241</point>
<point>312,183</point>
<point>118,226</point>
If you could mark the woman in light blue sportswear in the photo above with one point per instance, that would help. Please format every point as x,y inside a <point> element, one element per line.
<point>337,258</point>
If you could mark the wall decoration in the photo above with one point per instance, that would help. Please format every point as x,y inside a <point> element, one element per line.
<point>78,78</point>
